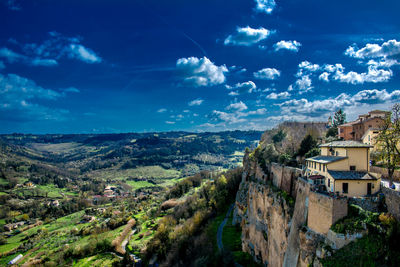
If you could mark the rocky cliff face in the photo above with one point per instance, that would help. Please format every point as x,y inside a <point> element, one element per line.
<point>270,233</point>
<point>265,224</point>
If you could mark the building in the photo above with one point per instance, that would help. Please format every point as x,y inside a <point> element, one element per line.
<point>370,137</point>
<point>355,130</point>
<point>345,168</point>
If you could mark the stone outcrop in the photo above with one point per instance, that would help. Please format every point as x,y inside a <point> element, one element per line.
<point>265,224</point>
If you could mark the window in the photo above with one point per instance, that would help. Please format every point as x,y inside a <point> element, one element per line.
<point>319,166</point>
<point>324,167</point>
<point>352,168</point>
<point>329,182</point>
<point>345,187</point>
<point>337,153</point>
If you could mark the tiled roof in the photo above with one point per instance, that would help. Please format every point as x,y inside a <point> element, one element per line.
<point>345,144</point>
<point>351,175</point>
<point>326,159</point>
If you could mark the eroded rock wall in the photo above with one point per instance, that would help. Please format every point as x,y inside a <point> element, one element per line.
<point>265,224</point>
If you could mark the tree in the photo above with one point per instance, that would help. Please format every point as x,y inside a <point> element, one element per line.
<point>339,118</point>
<point>389,138</point>
<point>279,136</point>
<point>306,145</point>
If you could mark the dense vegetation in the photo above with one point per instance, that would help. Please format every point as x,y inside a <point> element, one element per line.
<point>77,199</point>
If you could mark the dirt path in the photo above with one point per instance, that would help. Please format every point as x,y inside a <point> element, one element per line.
<point>221,229</point>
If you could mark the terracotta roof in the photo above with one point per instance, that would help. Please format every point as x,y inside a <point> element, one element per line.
<point>351,175</point>
<point>345,144</point>
<point>326,159</point>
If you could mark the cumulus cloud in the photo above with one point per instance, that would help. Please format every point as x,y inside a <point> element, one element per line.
<point>322,108</point>
<point>196,102</point>
<point>50,51</point>
<point>265,6</point>
<point>267,74</point>
<point>288,45</point>
<point>201,71</point>
<point>247,36</point>
<point>169,122</point>
<point>324,76</point>
<point>162,110</point>
<point>248,86</point>
<point>238,106</point>
<point>227,117</point>
<point>388,49</point>
<point>282,95</point>
<point>21,99</point>
<point>373,75</point>
<point>303,85</point>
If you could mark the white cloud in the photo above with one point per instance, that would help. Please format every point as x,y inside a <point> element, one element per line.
<point>260,111</point>
<point>22,100</point>
<point>85,54</point>
<point>383,63</point>
<point>303,85</point>
<point>10,55</point>
<point>196,102</point>
<point>247,36</point>
<point>201,71</point>
<point>169,122</point>
<point>233,93</point>
<point>238,106</point>
<point>323,108</point>
<point>227,117</point>
<point>324,76</point>
<point>248,86</point>
<point>267,74</point>
<point>266,6</point>
<point>162,110</point>
<point>373,75</point>
<point>50,51</point>
<point>387,49</point>
<point>282,95</point>
<point>288,45</point>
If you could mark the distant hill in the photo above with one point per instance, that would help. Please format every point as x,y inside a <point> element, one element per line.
<point>118,157</point>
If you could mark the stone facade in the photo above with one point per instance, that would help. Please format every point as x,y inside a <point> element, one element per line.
<point>323,211</point>
<point>392,199</point>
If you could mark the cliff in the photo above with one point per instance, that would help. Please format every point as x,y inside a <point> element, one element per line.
<point>273,207</point>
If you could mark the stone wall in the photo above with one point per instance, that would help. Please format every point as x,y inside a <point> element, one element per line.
<point>392,200</point>
<point>284,177</point>
<point>323,211</point>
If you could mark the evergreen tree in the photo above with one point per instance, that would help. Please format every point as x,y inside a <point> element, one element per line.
<point>339,118</point>
<point>306,145</point>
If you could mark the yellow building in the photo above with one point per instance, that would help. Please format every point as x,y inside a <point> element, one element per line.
<point>370,138</point>
<point>345,166</point>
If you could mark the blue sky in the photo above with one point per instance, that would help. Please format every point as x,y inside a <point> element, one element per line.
<point>209,65</point>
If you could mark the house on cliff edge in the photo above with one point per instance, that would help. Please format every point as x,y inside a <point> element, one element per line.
<point>343,167</point>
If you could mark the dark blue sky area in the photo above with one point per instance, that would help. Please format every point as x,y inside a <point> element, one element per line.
<point>119,66</point>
